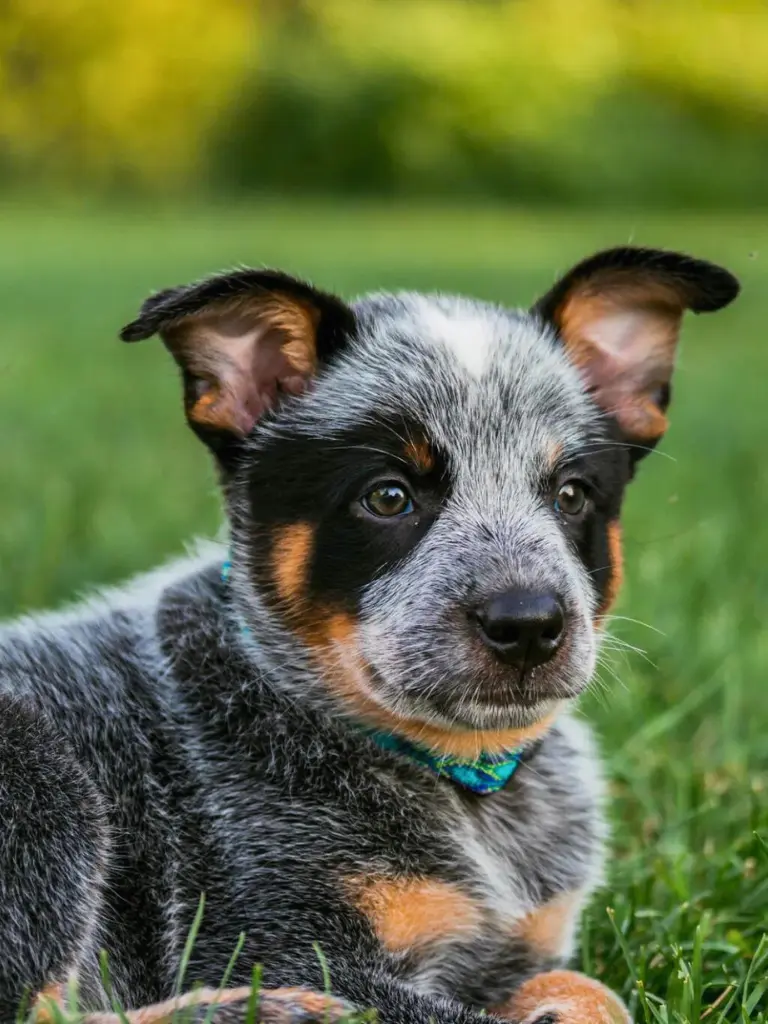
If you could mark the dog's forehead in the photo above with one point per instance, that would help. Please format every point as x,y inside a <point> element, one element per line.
<point>466,330</point>
<point>474,375</point>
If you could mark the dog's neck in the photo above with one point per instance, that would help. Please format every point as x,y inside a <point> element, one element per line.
<point>484,774</point>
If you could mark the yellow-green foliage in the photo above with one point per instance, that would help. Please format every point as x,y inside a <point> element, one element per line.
<point>523,69</point>
<point>158,91</point>
<point>98,89</point>
<point>543,57</point>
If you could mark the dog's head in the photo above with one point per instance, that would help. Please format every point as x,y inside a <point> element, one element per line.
<point>424,491</point>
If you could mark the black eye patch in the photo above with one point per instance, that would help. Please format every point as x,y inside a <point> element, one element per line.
<point>321,482</point>
<point>605,468</point>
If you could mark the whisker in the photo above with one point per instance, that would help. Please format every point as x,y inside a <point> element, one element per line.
<point>599,445</point>
<point>637,622</point>
<point>368,448</point>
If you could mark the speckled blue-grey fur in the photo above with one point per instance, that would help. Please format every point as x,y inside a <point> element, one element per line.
<point>213,780</point>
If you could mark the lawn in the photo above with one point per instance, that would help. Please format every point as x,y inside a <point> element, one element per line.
<point>101,479</point>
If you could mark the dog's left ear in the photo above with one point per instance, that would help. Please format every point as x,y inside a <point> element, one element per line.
<point>242,339</point>
<point>619,313</point>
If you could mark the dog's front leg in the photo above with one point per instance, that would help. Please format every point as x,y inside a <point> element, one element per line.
<point>53,850</point>
<point>393,1002</point>
<point>554,997</point>
<point>213,1006</point>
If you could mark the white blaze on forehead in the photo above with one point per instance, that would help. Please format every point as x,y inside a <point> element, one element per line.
<point>466,334</point>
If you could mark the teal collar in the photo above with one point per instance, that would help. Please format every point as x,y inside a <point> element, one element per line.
<point>487,773</point>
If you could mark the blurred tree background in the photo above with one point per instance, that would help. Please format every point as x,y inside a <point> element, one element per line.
<point>656,102</point>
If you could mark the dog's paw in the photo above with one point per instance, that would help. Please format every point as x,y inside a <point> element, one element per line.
<point>301,1006</point>
<point>234,1006</point>
<point>565,997</point>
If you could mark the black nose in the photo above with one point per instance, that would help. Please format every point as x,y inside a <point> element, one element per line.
<point>522,627</point>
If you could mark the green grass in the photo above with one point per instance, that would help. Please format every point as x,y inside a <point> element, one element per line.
<point>101,478</point>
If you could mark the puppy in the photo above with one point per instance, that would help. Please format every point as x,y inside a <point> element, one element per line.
<point>351,729</point>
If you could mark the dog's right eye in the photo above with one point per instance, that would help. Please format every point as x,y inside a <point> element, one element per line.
<point>387,501</point>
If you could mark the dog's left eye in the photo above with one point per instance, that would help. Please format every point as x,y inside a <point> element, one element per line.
<point>571,498</point>
<point>387,501</point>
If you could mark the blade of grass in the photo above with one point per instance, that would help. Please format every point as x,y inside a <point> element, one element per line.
<point>107,983</point>
<point>226,975</point>
<point>326,977</point>
<point>253,1001</point>
<point>186,956</point>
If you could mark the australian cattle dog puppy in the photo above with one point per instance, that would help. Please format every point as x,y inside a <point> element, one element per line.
<point>350,728</point>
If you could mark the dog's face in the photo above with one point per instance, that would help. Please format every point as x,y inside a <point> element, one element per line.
<point>424,491</point>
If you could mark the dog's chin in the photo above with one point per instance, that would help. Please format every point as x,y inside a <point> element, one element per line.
<point>465,715</point>
<point>464,707</point>
<point>487,717</point>
<point>496,707</point>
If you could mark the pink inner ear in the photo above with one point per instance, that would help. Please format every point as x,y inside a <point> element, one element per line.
<point>271,373</point>
<point>252,370</point>
<point>624,346</point>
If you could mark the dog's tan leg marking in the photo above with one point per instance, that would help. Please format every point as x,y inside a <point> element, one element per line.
<point>570,997</point>
<point>412,912</point>
<point>616,561</point>
<point>275,1006</point>
<point>549,929</point>
<point>315,1004</point>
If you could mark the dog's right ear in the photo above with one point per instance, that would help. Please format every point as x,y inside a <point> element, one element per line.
<point>241,340</point>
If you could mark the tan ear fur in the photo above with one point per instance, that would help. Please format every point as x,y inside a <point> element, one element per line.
<point>238,354</point>
<point>618,314</point>
<point>242,339</point>
<point>622,334</point>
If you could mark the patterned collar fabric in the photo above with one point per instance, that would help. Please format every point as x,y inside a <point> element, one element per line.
<point>487,773</point>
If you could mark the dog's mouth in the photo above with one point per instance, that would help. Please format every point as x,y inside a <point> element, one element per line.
<point>464,725</point>
<point>481,716</point>
<point>466,684</point>
<point>459,708</point>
